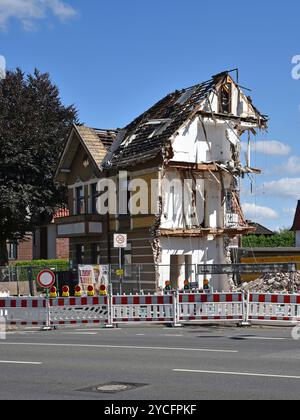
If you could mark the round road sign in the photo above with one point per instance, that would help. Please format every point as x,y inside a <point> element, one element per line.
<point>120,241</point>
<point>46,279</point>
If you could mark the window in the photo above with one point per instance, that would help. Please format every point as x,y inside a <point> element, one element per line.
<point>159,126</point>
<point>80,249</point>
<point>80,207</point>
<point>124,196</point>
<point>94,198</point>
<point>225,98</point>
<point>127,260</point>
<point>186,95</point>
<point>13,250</point>
<point>96,254</point>
<point>173,204</point>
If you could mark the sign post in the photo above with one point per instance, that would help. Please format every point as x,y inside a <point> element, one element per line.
<point>120,241</point>
<point>46,280</point>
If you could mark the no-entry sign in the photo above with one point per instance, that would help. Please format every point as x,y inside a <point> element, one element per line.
<point>120,241</point>
<point>46,279</point>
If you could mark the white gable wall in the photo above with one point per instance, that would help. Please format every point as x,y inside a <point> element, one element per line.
<point>179,212</point>
<point>192,146</point>
<point>241,107</point>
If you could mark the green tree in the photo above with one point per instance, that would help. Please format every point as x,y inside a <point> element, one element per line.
<point>34,125</point>
<point>284,238</point>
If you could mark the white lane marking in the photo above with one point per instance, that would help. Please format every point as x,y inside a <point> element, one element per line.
<point>261,375</point>
<point>140,335</point>
<point>172,335</point>
<point>107,346</point>
<point>267,338</point>
<point>13,362</point>
<point>81,333</point>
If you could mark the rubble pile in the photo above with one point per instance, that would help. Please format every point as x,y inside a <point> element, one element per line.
<point>274,283</point>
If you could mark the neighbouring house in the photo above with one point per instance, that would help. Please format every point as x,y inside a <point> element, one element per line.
<point>43,244</point>
<point>296,225</point>
<point>260,230</point>
<point>186,151</point>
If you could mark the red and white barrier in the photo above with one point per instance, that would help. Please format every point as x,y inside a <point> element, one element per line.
<point>273,307</point>
<point>211,307</point>
<point>165,309</point>
<point>127,309</point>
<point>79,311</point>
<point>25,312</point>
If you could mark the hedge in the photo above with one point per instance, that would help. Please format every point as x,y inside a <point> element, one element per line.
<point>22,267</point>
<point>59,265</point>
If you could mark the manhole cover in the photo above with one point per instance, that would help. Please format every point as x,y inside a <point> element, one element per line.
<point>113,388</point>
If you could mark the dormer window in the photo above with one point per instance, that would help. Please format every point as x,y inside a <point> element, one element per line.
<point>225,98</point>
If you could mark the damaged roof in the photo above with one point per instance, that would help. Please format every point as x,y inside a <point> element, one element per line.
<point>148,135</point>
<point>95,141</point>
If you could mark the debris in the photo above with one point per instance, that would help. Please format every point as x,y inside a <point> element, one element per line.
<point>274,283</point>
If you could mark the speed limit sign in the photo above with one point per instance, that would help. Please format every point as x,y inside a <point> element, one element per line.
<point>120,240</point>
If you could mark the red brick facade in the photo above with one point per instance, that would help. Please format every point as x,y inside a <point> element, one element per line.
<point>25,250</point>
<point>62,249</point>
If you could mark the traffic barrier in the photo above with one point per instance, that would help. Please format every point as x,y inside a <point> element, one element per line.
<point>127,309</point>
<point>211,307</point>
<point>81,310</point>
<point>273,308</point>
<point>24,312</point>
<point>173,308</point>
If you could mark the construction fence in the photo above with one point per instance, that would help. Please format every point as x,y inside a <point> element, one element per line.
<point>173,309</point>
<point>135,278</point>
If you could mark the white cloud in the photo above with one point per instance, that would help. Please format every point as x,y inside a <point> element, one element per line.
<point>291,167</point>
<point>285,187</point>
<point>29,11</point>
<point>254,212</point>
<point>289,211</point>
<point>271,147</point>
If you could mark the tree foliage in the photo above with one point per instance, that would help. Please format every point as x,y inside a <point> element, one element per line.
<point>34,125</point>
<point>284,238</point>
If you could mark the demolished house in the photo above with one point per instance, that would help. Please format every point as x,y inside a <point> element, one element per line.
<point>187,150</point>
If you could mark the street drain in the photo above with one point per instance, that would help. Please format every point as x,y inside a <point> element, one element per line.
<point>113,388</point>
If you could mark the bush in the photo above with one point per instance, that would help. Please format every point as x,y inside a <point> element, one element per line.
<point>23,267</point>
<point>58,265</point>
<point>282,239</point>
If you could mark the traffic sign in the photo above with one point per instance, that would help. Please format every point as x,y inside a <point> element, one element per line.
<point>120,240</point>
<point>120,272</point>
<point>46,279</point>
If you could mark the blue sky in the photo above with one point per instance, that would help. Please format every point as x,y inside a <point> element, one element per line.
<point>115,59</point>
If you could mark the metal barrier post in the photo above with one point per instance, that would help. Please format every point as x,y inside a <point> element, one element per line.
<point>176,323</point>
<point>48,315</point>
<point>246,302</point>
<point>110,323</point>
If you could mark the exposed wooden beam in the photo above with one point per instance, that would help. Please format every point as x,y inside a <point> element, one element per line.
<point>200,167</point>
<point>198,233</point>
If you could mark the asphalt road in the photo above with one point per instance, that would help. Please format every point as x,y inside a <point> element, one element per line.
<point>192,363</point>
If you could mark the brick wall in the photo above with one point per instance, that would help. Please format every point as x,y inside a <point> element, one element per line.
<point>25,250</point>
<point>62,249</point>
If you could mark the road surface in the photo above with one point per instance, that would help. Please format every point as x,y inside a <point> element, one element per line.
<point>192,363</point>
